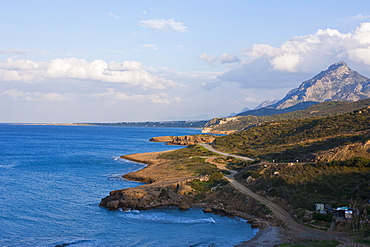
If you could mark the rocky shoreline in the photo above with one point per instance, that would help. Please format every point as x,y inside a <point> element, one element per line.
<point>166,190</point>
<point>184,140</point>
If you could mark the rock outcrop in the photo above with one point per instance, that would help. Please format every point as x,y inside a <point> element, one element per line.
<point>338,82</point>
<point>209,127</point>
<point>165,187</point>
<point>184,140</point>
<point>343,152</point>
<point>149,196</point>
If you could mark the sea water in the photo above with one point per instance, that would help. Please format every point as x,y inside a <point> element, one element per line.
<point>52,179</point>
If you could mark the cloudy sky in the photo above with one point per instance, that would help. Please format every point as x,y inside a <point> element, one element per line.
<point>118,60</point>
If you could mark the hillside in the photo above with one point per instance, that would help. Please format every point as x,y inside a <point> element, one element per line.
<point>301,139</point>
<point>300,186</point>
<point>238,123</point>
<point>266,111</point>
<point>306,161</point>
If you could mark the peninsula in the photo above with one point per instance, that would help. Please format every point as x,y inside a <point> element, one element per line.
<point>289,167</point>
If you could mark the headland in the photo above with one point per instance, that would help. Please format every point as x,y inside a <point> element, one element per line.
<point>192,177</point>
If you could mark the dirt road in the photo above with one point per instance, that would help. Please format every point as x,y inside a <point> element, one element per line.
<point>210,148</point>
<point>300,230</point>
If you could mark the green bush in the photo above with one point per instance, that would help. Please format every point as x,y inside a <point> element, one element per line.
<point>323,217</point>
<point>199,196</point>
<point>254,175</point>
<point>163,193</point>
<point>314,243</point>
<point>357,162</point>
<point>215,177</point>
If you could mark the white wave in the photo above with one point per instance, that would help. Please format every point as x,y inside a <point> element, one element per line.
<point>116,177</point>
<point>166,218</point>
<point>131,211</point>
<point>117,158</point>
<point>7,166</point>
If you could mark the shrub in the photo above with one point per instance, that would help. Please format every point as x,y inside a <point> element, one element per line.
<point>357,162</point>
<point>254,175</point>
<point>199,196</point>
<point>323,217</point>
<point>163,193</point>
<point>215,177</point>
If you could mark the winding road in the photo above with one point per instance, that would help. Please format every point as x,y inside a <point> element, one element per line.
<point>279,212</point>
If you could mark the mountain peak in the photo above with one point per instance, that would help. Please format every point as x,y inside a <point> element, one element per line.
<point>340,67</point>
<point>338,82</point>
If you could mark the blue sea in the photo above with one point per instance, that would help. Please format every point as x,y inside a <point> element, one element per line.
<point>52,179</point>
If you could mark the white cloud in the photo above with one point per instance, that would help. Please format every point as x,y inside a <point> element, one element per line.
<point>125,66</point>
<point>299,58</point>
<point>208,58</point>
<point>162,24</point>
<point>152,47</point>
<point>285,62</point>
<point>128,72</point>
<point>21,70</point>
<point>159,98</point>
<point>225,58</point>
<point>229,58</point>
<point>297,53</point>
<point>13,51</point>
<point>112,15</point>
<point>361,16</point>
<point>35,96</point>
<point>261,50</point>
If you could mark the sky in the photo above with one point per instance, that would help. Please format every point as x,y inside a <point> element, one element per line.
<point>157,60</point>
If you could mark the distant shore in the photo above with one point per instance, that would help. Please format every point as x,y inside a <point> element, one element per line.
<point>55,124</point>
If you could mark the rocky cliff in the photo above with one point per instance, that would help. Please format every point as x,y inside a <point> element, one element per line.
<point>164,186</point>
<point>184,140</point>
<point>215,125</point>
<point>338,82</point>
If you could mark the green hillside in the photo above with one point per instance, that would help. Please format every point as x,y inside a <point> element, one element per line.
<point>289,140</point>
<point>298,186</point>
<point>327,108</point>
<point>265,111</point>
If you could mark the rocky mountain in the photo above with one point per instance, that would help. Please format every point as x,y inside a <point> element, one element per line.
<point>264,104</point>
<point>337,83</point>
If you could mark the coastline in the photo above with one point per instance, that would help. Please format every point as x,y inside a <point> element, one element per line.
<point>268,234</point>
<point>169,185</point>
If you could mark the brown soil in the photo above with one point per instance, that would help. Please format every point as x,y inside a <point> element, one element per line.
<point>157,170</point>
